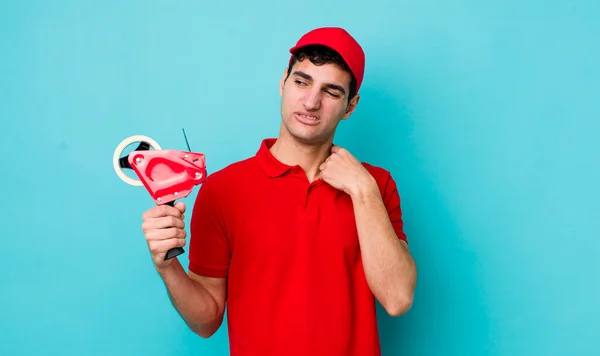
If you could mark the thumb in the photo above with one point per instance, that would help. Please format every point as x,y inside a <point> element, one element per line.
<point>180,206</point>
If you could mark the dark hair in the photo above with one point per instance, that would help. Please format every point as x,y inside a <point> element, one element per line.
<point>319,55</point>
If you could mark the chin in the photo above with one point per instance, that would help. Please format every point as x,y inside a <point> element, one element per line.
<point>304,134</point>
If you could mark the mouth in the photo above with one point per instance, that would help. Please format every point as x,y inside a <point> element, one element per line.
<point>306,119</point>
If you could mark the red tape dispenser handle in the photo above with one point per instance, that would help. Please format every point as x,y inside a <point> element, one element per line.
<point>168,175</point>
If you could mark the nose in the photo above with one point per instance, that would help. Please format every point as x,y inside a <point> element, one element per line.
<point>312,99</point>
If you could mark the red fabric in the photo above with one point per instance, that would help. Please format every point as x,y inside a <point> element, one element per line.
<point>290,250</point>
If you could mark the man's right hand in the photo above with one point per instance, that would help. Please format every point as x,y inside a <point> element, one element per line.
<point>164,229</point>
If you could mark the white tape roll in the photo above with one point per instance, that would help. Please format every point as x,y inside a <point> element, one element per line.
<point>121,147</point>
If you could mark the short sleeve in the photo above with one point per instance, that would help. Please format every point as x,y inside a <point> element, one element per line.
<point>210,253</point>
<point>391,199</point>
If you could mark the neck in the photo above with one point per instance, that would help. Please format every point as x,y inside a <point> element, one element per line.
<point>308,156</point>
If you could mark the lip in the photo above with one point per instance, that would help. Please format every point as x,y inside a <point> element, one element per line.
<point>304,120</point>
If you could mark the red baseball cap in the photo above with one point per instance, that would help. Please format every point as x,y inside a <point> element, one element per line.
<point>340,41</point>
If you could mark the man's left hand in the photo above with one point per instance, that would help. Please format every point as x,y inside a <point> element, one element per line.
<point>344,172</point>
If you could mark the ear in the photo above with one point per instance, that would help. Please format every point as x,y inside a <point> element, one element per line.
<point>282,81</point>
<point>351,106</point>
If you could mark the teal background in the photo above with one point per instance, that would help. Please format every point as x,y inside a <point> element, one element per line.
<point>486,113</point>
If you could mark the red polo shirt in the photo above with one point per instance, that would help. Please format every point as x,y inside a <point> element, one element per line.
<point>290,251</point>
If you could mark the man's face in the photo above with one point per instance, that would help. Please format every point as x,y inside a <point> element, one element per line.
<point>314,101</point>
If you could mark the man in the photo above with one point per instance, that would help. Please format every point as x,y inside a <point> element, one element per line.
<point>300,240</point>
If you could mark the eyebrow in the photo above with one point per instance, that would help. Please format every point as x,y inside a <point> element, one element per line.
<point>327,85</point>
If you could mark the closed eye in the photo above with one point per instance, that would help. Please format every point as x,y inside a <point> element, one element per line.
<point>335,90</point>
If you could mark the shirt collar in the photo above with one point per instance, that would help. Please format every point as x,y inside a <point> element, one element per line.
<point>269,164</point>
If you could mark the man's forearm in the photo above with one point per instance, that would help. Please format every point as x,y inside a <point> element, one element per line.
<point>389,267</point>
<point>192,301</point>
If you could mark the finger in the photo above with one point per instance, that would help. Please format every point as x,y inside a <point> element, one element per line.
<point>335,148</point>
<point>165,234</point>
<point>162,223</point>
<point>163,246</point>
<point>331,157</point>
<point>160,211</point>
<point>180,206</point>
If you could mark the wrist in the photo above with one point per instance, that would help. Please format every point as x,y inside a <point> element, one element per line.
<point>367,190</point>
<point>166,269</point>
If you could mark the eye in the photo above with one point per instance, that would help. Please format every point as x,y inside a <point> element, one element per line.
<point>299,82</point>
<point>333,94</point>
